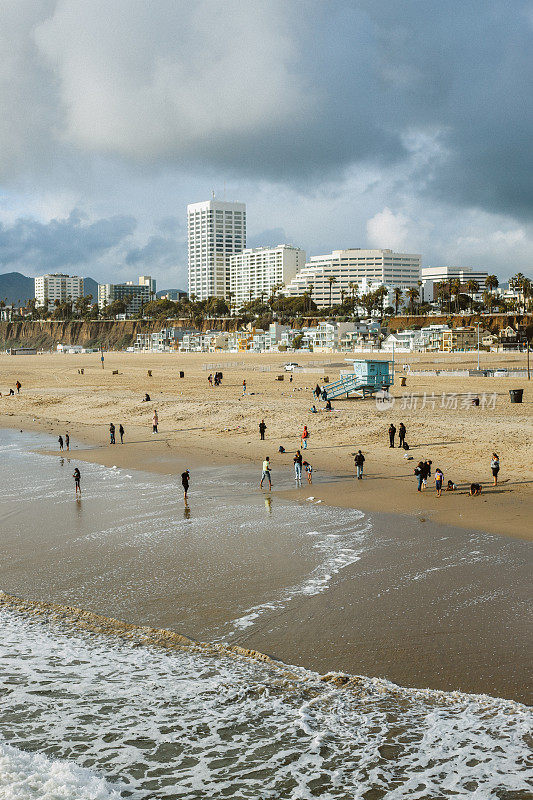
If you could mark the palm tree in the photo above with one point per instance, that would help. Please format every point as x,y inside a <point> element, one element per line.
<point>331,280</point>
<point>380,295</point>
<point>412,294</point>
<point>397,294</point>
<point>472,287</point>
<point>455,289</point>
<point>352,287</point>
<point>527,291</point>
<point>522,285</point>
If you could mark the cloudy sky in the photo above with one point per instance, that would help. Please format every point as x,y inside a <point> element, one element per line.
<point>340,124</point>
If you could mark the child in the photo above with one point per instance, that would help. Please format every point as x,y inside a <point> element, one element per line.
<point>451,487</point>
<point>475,488</point>
<point>308,471</point>
<point>439,477</point>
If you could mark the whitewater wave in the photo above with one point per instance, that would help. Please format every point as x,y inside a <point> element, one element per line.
<point>158,716</point>
<point>32,776</point>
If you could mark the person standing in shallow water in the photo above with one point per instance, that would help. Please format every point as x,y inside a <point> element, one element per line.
<point>185,483</point>
<point>67,441</point>
<point>121,433</point>
<point>77,478</point>
<point>60,440</point>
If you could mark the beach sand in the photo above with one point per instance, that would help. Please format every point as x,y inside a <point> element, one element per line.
<point>219,425</point>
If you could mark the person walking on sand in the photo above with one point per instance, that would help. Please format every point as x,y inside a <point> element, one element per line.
<point>244,387</point>
<point>392,434</point>
<point>60,440</point>
<point>67,441</point>
<point>265,474</point>
<point>185,483</point>
<point>77,477</point>
<point>298,468</point>
<point>495,467</point>
<point>262,429</point>
<point>402,430</point>
<point>305,437</point>
<point>155,422</point>
<point>19,386</point>
<point>359,461</point>
<point>121,433</point>
<point>210,379</point>
<point>439,477</point>
<point>111,433</point>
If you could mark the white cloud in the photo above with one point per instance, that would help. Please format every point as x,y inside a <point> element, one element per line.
<point>386,229</point>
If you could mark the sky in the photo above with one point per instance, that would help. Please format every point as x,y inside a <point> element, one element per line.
<point>365,123</point>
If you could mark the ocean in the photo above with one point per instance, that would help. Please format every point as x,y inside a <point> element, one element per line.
<point>87,714</point>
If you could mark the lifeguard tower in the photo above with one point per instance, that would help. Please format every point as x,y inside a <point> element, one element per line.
<point>368,376</point>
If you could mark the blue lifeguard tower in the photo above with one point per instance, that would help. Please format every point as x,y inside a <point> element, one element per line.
<point>368,376</point>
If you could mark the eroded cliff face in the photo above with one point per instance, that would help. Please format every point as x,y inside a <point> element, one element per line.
<point>119,334</point>
<point>110,334</point>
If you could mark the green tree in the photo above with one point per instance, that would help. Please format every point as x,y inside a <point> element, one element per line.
<point>397,294</point>
<point>472,287</point>
<point>412,294</point>
<point>331,280</point>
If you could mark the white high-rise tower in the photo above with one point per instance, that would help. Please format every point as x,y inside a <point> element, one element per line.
<point>216,231</point>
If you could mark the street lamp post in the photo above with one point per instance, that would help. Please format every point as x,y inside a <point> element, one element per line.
<point>478,347</point>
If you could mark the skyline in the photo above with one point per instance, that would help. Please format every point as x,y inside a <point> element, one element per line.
<point>411,133</point>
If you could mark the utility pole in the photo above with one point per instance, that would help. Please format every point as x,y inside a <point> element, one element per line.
<point>478,347</point>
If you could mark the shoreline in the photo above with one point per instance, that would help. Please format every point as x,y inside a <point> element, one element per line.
<point>499,511</point>
<point>422,605</point>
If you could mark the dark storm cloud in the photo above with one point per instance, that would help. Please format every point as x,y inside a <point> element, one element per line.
<point>157,254</point>
<point>292,92</point>
<point>61,243</point>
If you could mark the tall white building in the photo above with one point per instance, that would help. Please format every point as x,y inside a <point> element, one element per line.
<point>254,272</point>
<point>135,295</point>
<point>434,275</point>
<point>216,231</point>
<point>56,286</point>
<point>355,270</point>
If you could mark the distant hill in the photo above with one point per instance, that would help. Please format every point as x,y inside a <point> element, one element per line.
<point>91,287</point>
<point>15,287</point>
<point>174,293</point>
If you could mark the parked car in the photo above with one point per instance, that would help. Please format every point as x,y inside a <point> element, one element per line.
<point>292,365</point>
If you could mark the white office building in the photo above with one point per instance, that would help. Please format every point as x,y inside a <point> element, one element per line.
<point>135,295</point>
<point>56,286</point>
<point>216,231</point>
<point>354,271</point>
<point>255,271</point>
<point>431,276</point>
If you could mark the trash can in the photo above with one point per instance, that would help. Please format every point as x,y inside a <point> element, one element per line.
<point>182,374</point>
<point>516,395</point>
<point>403,380</point>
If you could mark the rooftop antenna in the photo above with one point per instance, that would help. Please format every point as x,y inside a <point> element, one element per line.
<point>213,193</point>
<point>224,190</point>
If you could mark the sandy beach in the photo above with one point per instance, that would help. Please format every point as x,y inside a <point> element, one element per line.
<point>204,424</point>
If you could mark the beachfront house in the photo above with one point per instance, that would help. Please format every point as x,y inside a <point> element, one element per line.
<point>461,339</point>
